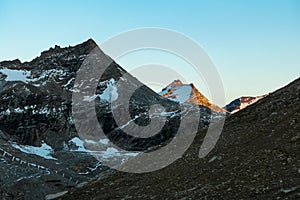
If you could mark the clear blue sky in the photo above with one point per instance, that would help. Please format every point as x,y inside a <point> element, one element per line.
<point>254,44</point>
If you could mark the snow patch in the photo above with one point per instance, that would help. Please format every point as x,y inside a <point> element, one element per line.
<point>247,101</point>
<point>112,152</point>
<point>16,75</point>
<point>101,141</point>
<point>19,110</point>
<point>79,144</point>
<point>109,152</point>
<point>69,82</point>
<point>26,76</point>
<point>110,93</point>
<point>90,98</point>
<point>44,151</point>
<point>49,74</point>
<point>289,190</point>
<point>179,94</point>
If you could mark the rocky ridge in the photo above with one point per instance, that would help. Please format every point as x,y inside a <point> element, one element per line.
<point>41,152</point>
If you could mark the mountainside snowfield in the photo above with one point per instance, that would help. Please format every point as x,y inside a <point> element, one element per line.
<point>177,91</point>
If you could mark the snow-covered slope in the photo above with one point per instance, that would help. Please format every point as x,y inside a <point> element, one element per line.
<point>242,102</point>
<point>187,93</point>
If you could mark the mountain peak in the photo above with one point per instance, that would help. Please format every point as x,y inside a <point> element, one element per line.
<point>89,44</point>
<point>82,49</point>
<point>175,83</point>
<point>90,41</point>
<point>15,62</point>
<point>187,93</point>
<point>242,102</point>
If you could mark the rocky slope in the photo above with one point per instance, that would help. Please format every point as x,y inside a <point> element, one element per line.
<point>36,96</point>
<point>187,93</point>
<point>41,152</point>
<point>257,157</point>
<point>242,102</point>
<point>39,147</point>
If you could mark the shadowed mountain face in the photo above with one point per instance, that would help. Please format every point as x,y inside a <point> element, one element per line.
<point>257,157</point>
<point>36,97</point>
<point>41,151</point>
<point>187,93</point>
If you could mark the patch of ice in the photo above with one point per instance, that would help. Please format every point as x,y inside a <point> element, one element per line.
<point>90,98</point>
<point>286,191</point>
<point>2,160</point>
<point>96,167</point>
<point>109,152</point>
<point>28,177</point>
<point>49,73</point>
<point>213,159</point>
<point>19,110</point>
<point>179,94</point>
<point>168,113</point>
<point>26,76</point>
<point>71,120</point>
<point>44,110</point>
<point>90,142</point>
<point>113,152</point>
<point>104,141</point>
<point>101,141</point>
<point>69,82</point>
<point>110,93</point>
<point>79,143</point>
<point>16,75</point>
<point>7,112</point>
<point>132,120</point>
<point>165,91</point>
<point>44,151</point>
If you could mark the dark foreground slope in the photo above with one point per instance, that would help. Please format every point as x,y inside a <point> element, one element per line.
<point>257,157</point>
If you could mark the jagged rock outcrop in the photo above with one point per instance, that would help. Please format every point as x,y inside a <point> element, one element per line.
<point>36,95</point>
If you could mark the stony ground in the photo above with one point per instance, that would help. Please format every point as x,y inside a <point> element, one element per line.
<point>257,157</point>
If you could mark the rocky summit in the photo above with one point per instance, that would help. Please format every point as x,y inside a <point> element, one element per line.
<point>187,93</point>
<point>42,154</point>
